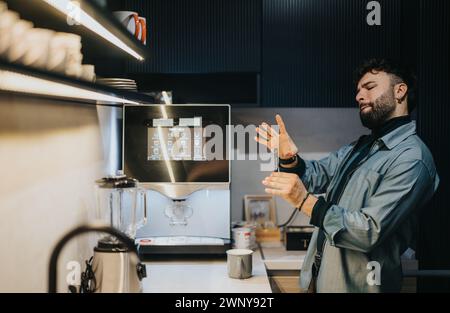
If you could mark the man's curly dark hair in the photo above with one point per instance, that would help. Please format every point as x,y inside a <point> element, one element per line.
<point>398,72</point>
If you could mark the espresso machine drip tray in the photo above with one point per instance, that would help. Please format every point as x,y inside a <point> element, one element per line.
<point>182,245</point>
<point>179,240</point>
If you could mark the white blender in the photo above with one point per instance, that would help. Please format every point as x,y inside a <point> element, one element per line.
<point>121,204</point>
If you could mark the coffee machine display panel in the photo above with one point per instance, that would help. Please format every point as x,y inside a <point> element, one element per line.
<point>170,142</point>
<point>176,143</point>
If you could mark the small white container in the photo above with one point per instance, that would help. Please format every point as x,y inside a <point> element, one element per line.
<point>65,54</point>
<point>88,73</point>
<point>242,238</point>
<point>37,53</point>
<point>7,21</point>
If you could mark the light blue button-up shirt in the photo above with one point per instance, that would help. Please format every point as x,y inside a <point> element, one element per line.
<point>376,218</point>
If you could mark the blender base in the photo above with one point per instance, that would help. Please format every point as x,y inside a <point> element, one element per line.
<point>115,272</point>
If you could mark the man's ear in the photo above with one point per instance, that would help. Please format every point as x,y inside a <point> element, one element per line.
<point>400,91</point>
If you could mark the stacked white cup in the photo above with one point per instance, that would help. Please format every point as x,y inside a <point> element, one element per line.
<point>41,48</point>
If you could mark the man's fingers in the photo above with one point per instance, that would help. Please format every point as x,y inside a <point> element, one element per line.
<point>262,133</point>
<point>282,175</point>
<point>273,132</point>
<point>263,141</point>
<point>275,185</point>
<point>264,137</point>
<point>279,179</point>
<point>280,123</point>
<point>269,129</point>
<point>275,192</point>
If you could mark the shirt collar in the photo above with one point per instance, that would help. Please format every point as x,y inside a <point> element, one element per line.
<point>390,125</point>
<point>399,134</point>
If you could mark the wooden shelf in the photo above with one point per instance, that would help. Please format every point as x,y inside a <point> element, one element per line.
<point>95,93</point>
<point>44,15</point>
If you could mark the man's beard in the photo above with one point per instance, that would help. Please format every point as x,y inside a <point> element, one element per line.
<point>381,110</point>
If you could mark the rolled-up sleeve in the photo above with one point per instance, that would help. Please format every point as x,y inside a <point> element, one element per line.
<point>403,188</point>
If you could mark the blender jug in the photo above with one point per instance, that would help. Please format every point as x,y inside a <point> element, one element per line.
<point>121,203</point>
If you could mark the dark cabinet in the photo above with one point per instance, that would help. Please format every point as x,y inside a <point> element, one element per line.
<point>305,51</point>
<point>199,36</point>
<point>310,48</point>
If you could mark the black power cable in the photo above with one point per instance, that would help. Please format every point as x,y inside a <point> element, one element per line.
<point>294,213</point>
<point>88,281</point>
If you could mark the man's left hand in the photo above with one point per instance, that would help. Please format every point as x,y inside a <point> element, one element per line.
<point>286,185</point>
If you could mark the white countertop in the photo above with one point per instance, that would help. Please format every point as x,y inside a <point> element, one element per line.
<point>210,276</point>
<point>203,276</point>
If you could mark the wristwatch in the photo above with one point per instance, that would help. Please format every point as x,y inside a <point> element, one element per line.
<point>288,161</point>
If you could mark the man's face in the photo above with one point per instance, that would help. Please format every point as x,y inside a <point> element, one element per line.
<point>375,97</point>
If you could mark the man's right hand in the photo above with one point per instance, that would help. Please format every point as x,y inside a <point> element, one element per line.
<point>271,139</point>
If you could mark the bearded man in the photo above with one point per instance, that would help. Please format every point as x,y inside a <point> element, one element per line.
<point>372,188</point>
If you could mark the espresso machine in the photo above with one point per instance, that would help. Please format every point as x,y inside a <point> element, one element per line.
<point>188,189</point>
<point>122,204</point>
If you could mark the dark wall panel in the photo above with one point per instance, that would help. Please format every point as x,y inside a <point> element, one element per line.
<point>200,36</point>
<point>310,48</point>
<point>434,128</point>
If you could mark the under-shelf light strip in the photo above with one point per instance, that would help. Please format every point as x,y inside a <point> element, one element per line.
<point>65,6</point>
<point>17,82</point>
